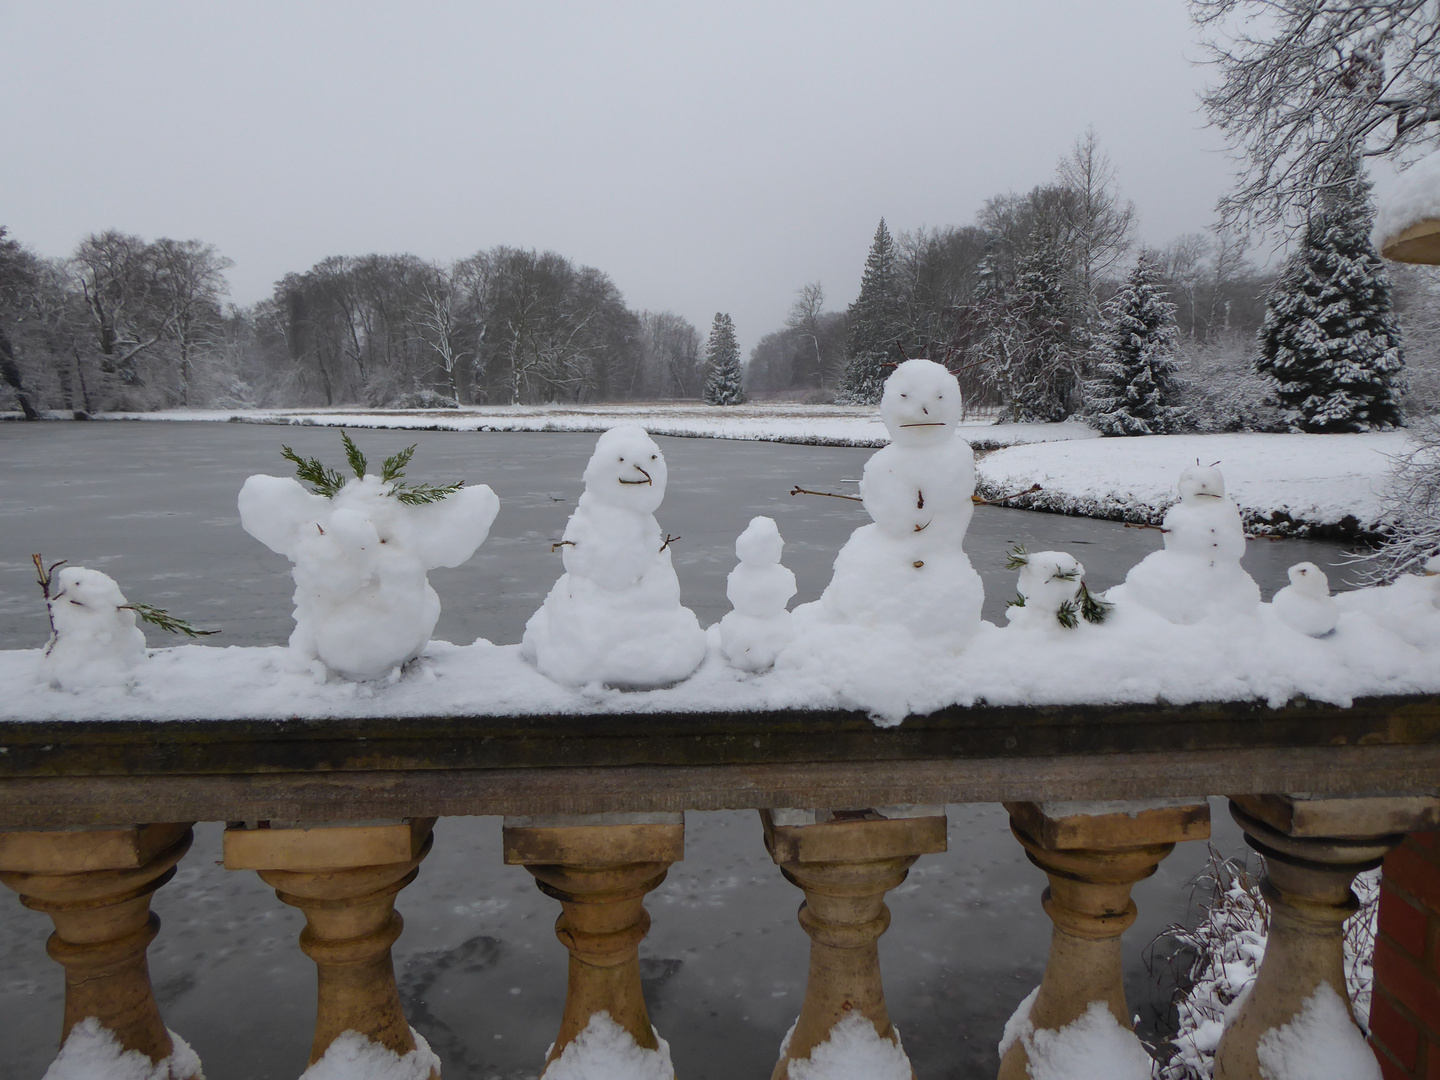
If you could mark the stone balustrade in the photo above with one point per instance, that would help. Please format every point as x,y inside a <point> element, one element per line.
<point>337,816</point>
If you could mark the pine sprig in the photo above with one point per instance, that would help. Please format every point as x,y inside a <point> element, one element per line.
<point>1017,558</point>
<point>354,457</point>
<point>1065,613</point>
<point>394,466</point>
<point>1093,610</point>
<point>326,482</point>
<point>165,621</point>
<point>425,493</point>
<point>1019,600</point>
<point>1073,574</point>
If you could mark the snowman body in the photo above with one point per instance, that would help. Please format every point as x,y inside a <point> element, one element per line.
<point>364,605</point>
<point>908,567</point>
<point>614,617</point>
<point>753,634</point>
<point>96,641</point>
<point>1197,574</point>
<point>1305,605</point>
<point>1048,581</point>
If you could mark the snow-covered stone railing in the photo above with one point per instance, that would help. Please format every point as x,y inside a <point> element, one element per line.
<point>336,814</point>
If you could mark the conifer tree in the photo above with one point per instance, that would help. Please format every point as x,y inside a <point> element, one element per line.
<point>722,355</point>
<point>875,325</point>
<point>1134,386</point>
<point>1034,365</point>
<point>1330,338</point>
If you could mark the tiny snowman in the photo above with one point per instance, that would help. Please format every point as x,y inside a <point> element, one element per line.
<point>908,568</point>
<point>1306,604</point>
<point>94,639</point>
<point>1051,592</point>
<point>759,588</point>
<point>614,617</point>
<point>1197,574</point>
<point>361,549</point>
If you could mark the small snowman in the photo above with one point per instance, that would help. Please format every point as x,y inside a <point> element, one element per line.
<point>94,639</point>
<point>1051,592</point>
<point>614,617</point>
<point>1197,574</point>
<point>908,568</point>
<point>759,588</point>
<point>1306,604</point>
<point>361,549</point>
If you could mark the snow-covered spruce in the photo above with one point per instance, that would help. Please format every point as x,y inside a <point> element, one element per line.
<point>875,321</point>
<point>908,568</point>
<point>353,1056</point>
<point>753,634</point>
<point>94,639</point>
<point>1135,388</point>
<point>92,1052</point>
<point>1330,339</point>
<point>1094,1047</point>
<point>361,548</point>
<point>614,617</point>
<point>1306,604</point>
<point>1051,593</point>
<point>1197,575</point>
<point>722,361</point>
<point>606,1051</point>
<point>853,1050</point>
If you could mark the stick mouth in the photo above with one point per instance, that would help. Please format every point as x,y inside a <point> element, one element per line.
<point>647,479</point>
<point>932,423</point>
<point>1207,495</point>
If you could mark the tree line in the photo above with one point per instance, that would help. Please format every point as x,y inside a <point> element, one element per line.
<point>126,323</point>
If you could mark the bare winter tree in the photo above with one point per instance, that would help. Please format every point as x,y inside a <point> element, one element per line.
<point>1302,82</point>
<point>1098,223</point>
<point>189,282</point>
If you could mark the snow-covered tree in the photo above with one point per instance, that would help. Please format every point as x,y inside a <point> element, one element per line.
<point>722,355</point>
<point>1330,339</point>
<point>1134,389</point>
<point>875,324</point>
<point>1029,349</point>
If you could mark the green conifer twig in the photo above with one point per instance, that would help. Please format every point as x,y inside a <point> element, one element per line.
<point>165,621</point>
<point>354,457</point>
<point>326,482</point>
<point>1017,558</point>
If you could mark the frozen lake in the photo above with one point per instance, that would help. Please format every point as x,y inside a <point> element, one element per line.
<point>153,504</point>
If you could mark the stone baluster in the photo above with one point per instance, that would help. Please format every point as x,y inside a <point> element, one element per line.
<point>1093,854</point>
<point>95,884</point>
<point>345,879</point>
<point>1313,849</point>
<point>599,867</point>
<point>845,861</point>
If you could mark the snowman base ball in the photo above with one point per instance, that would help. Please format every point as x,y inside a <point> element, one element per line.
<point>879,581</point>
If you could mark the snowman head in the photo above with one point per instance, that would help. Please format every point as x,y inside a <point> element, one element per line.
<point>1201,483</point>
<point>1309,579</point>
<point>921,403</point>
<point>760,544</point>
<point>627,470</point>
<point>80,594</point>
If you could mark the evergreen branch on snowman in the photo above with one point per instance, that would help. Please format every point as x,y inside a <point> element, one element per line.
<point>1048,566</point>
<point>327,482</point>
<point>162,619</point>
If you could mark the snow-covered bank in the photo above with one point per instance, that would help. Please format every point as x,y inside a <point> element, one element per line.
<point>1387,642</point>
<point>1290,485</point>
<point>815,425</point>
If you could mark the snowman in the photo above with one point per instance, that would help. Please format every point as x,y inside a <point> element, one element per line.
<point>759,588</point>
<point>1197,574</point>
<point>95,640</point>
<point>1306,604</point>
<point>614,617</point>
<point>1051,592</point>
<point>363,603</point>
<point>907,568</point>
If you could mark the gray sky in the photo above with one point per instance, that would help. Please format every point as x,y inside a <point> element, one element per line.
<point>709,157</point>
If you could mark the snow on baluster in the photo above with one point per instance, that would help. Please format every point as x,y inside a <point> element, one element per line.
<point>759,588</point>
<point>96,641</point>
<point>1197,574</point>
<point>363,603</point>
<point>614,617</point>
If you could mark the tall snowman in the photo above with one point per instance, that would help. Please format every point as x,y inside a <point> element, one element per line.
<point>615,616</point>
<point>908,568</point>
<point>1197,575</point>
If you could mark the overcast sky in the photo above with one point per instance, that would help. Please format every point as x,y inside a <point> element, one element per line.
<point>709,157</point>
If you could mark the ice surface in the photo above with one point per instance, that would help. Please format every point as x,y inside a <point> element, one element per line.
<point>363,603</point>
<point>1319,1044</point>
<point>1415,198</point>
<point>854,1050</point>
<point>352,1056</point>
<point>92,1052</point>
<point>606,1051</point>
<point>614,617</point>
<point>96,641</point>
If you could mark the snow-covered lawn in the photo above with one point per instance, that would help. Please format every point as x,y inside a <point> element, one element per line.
<point>816,425</point>
<point>1286,484</point>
